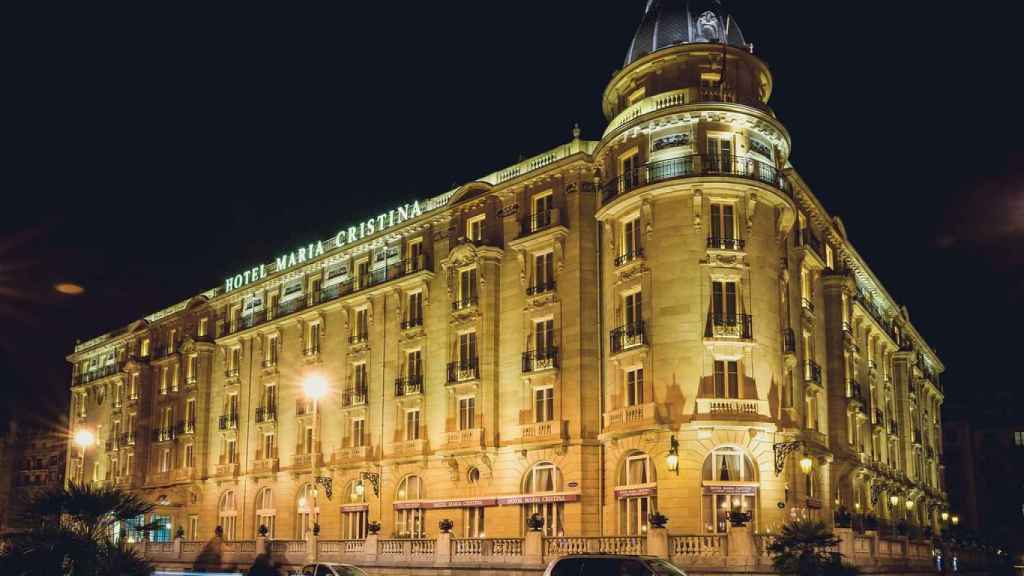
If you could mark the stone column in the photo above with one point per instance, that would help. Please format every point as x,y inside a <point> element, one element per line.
<point>261,545</point>
<point>177,547</point>
<point>311,546</point>
<point>845,536</point>
<point>443,549</point>
<point>533,548</point>
<point>370,548</point>
<point>657,542</point>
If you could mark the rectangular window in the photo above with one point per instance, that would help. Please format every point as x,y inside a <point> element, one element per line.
<point>163,380</point>
<point>467,295</point>
<point>727,380</point>
<point>204,327</point>
<point>165,459</point>
<point>144,348</point>
<point>475,228</point>
<point>130,429</point>
<point>633,308</point>
<point>190,415</point>
<point>358,432</point>
<point>543,272</point>
<point>270,352</point>
<point>723,302</point>
<point>467,413</point>
<point>133,386</point>
<point>313,339</point>
<point>118,393</point>
<point>363,273</point>
<point>629,169</point>
<point>268,447</point>
<point>232,451</point>
<point>361,328</point>
<point>635,387</point>
<point>314,290</point>
<point>544,337</point>
<point>412,425</point>
<point>723,225</point>
<point>415,255</point>
<point>414,366</point>
<point>544,404</point>
<point>720,154</point>
<point>190,460</point>
<point>172,336</point>
<point>414,310</point>
<point>193,528</point>
<point>235,360</point>
<point>542,205</point>
<point>360,378</point>
<point>631,248</point>
<point>192,369</point>
<point>307,440</point>
<point>473,520</point>
<point>174,377</point>
<point>1018,439</point>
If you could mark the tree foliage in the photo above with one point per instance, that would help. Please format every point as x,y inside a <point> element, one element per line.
<point>71,534</point>
<point>806,547</point>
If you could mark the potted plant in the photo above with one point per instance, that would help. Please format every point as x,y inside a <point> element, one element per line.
<point>657,520</point>
<point>218,531</point>
<point>179,533</point>
<point>843,517</point>
<point>446,525</point>
<point>535,523</point>
<point>263,530</point>
<point>373,527</point>
<point>316,528</point>
<point>902,527</point>
<point>871,522</point>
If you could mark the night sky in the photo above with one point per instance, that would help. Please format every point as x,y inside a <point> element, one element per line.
<point>154,150</point>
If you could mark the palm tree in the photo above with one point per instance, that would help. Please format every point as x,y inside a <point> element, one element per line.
<point>805,547</point>
<point>72,532</point>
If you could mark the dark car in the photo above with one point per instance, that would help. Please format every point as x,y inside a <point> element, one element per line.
<point>612,565</point>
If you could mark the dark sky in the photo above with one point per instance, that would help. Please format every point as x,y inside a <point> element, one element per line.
<point>154,150</point>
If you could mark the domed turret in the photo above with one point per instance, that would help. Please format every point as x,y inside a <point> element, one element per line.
<point>670,22</point>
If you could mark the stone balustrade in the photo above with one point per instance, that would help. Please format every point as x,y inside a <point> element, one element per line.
<point>738,550</point>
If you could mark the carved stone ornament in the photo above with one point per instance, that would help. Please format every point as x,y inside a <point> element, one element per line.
<point>751,208</point>
<point>453,469</point>
<point>648,214</point>
<point>609,233</point>
<point>521,258</point>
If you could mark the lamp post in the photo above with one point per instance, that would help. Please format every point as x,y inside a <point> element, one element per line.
<point>672,460</point>
<point>315,387</point>
<point>894,500</point>
<point>83,439</point>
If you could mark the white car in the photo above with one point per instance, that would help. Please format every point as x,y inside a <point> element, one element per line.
<point>331,569</point>
<point>612,565</point>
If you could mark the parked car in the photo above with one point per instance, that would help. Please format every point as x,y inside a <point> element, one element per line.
<point>612,565</point>
<point>331,569</point>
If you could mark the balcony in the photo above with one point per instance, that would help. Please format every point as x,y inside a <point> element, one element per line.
<point>414,322</point>
<point>191,381</point>
<point>720,93</point>
<point>360,338</point>
<point>392,272</point>
<point>228,422</point>
<point>306,461</point>
<point>354,396</point>
<point>629,256</point>
<point>270,362</point>
<point>263,465</point>
<point>812,246</point>
<point>538,221</point>
<point>164,434</point>
<point>730,326</point>
<point>303,407</point>
<point>552,430</point>
<point>231,374</point>
<point>409,385</point>
<point>725,244</point>
<point>311,351</point>
<point>229,469</point>
<point>183,474</point>
<point>409,448</point>
<point>695,166</point>
<point>350,455</point>
<point>267,413</point>
<point>639,416</point>
<point>460,440</point>
<point>465,303</point>
<point>733,408</point>
<point>537,360</point>
<point>92,375</point>
<point>185,427</point>
<point>812,372</point>
<point>540,288</point>
<point>464,371</point>
<point>627,336</point>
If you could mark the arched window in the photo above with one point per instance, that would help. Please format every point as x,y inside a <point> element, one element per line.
<point>227,514</point>
<point>409,521</point>
<point>545,478</point>
<point>265,513</point>
<point>636,492</point>
<point>353,513</point>
<point>729,483</point>
<point>306,510</point>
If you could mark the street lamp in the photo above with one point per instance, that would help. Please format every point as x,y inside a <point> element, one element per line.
<point>945,516</point>
<point>315,387</point>
<point>806,464</point>
<point>672,460</point>
<point>83,439</point>
<point>894,500</point>
<point>956,520</point>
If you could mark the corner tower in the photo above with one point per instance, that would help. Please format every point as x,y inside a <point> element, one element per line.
<point>694,214</point>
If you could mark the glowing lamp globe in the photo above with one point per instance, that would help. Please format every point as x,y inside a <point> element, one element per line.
<point>315,386</point>
<point>85,438</point>
<point>945,516</point>
<point>805,464</point>
<point>894,500</point>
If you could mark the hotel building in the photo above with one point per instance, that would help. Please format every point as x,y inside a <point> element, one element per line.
<point>666,319</point>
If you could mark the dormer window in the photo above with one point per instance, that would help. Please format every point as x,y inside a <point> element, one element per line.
<point>475,228</point>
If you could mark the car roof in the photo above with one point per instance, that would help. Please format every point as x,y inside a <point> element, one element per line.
<point>600,555</point>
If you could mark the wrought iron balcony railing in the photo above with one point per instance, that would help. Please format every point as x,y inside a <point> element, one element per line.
<point>812,372</point>
<point>461,371</point>
<point>694,166</point>
<point>413,322</point>
<point>733,244</point>
<point>409,385</point>
<point>629,256</point>
<point>354,396</point>
<point>628,336</point>
<point>464,303</point>
<point>228,422</point>
<point>739,326</point>
<point>540,288</point>
<point>266,413</point>
<point>534,360</point>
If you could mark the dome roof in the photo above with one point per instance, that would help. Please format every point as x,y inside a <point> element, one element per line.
<point>670,22</point>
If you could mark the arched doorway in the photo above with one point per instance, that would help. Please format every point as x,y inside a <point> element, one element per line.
<point>636,492</point>
<point>543,478</point>
<point>227,514</point>
<point>409,519</point>
<point>266,514</point>
<point>353,514</point>
<point>729,484</point>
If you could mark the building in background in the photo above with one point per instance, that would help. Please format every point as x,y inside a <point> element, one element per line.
<point>666,319</point>
<point>38,465</point>
<point>7,475</point>
<point>986,476</point>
